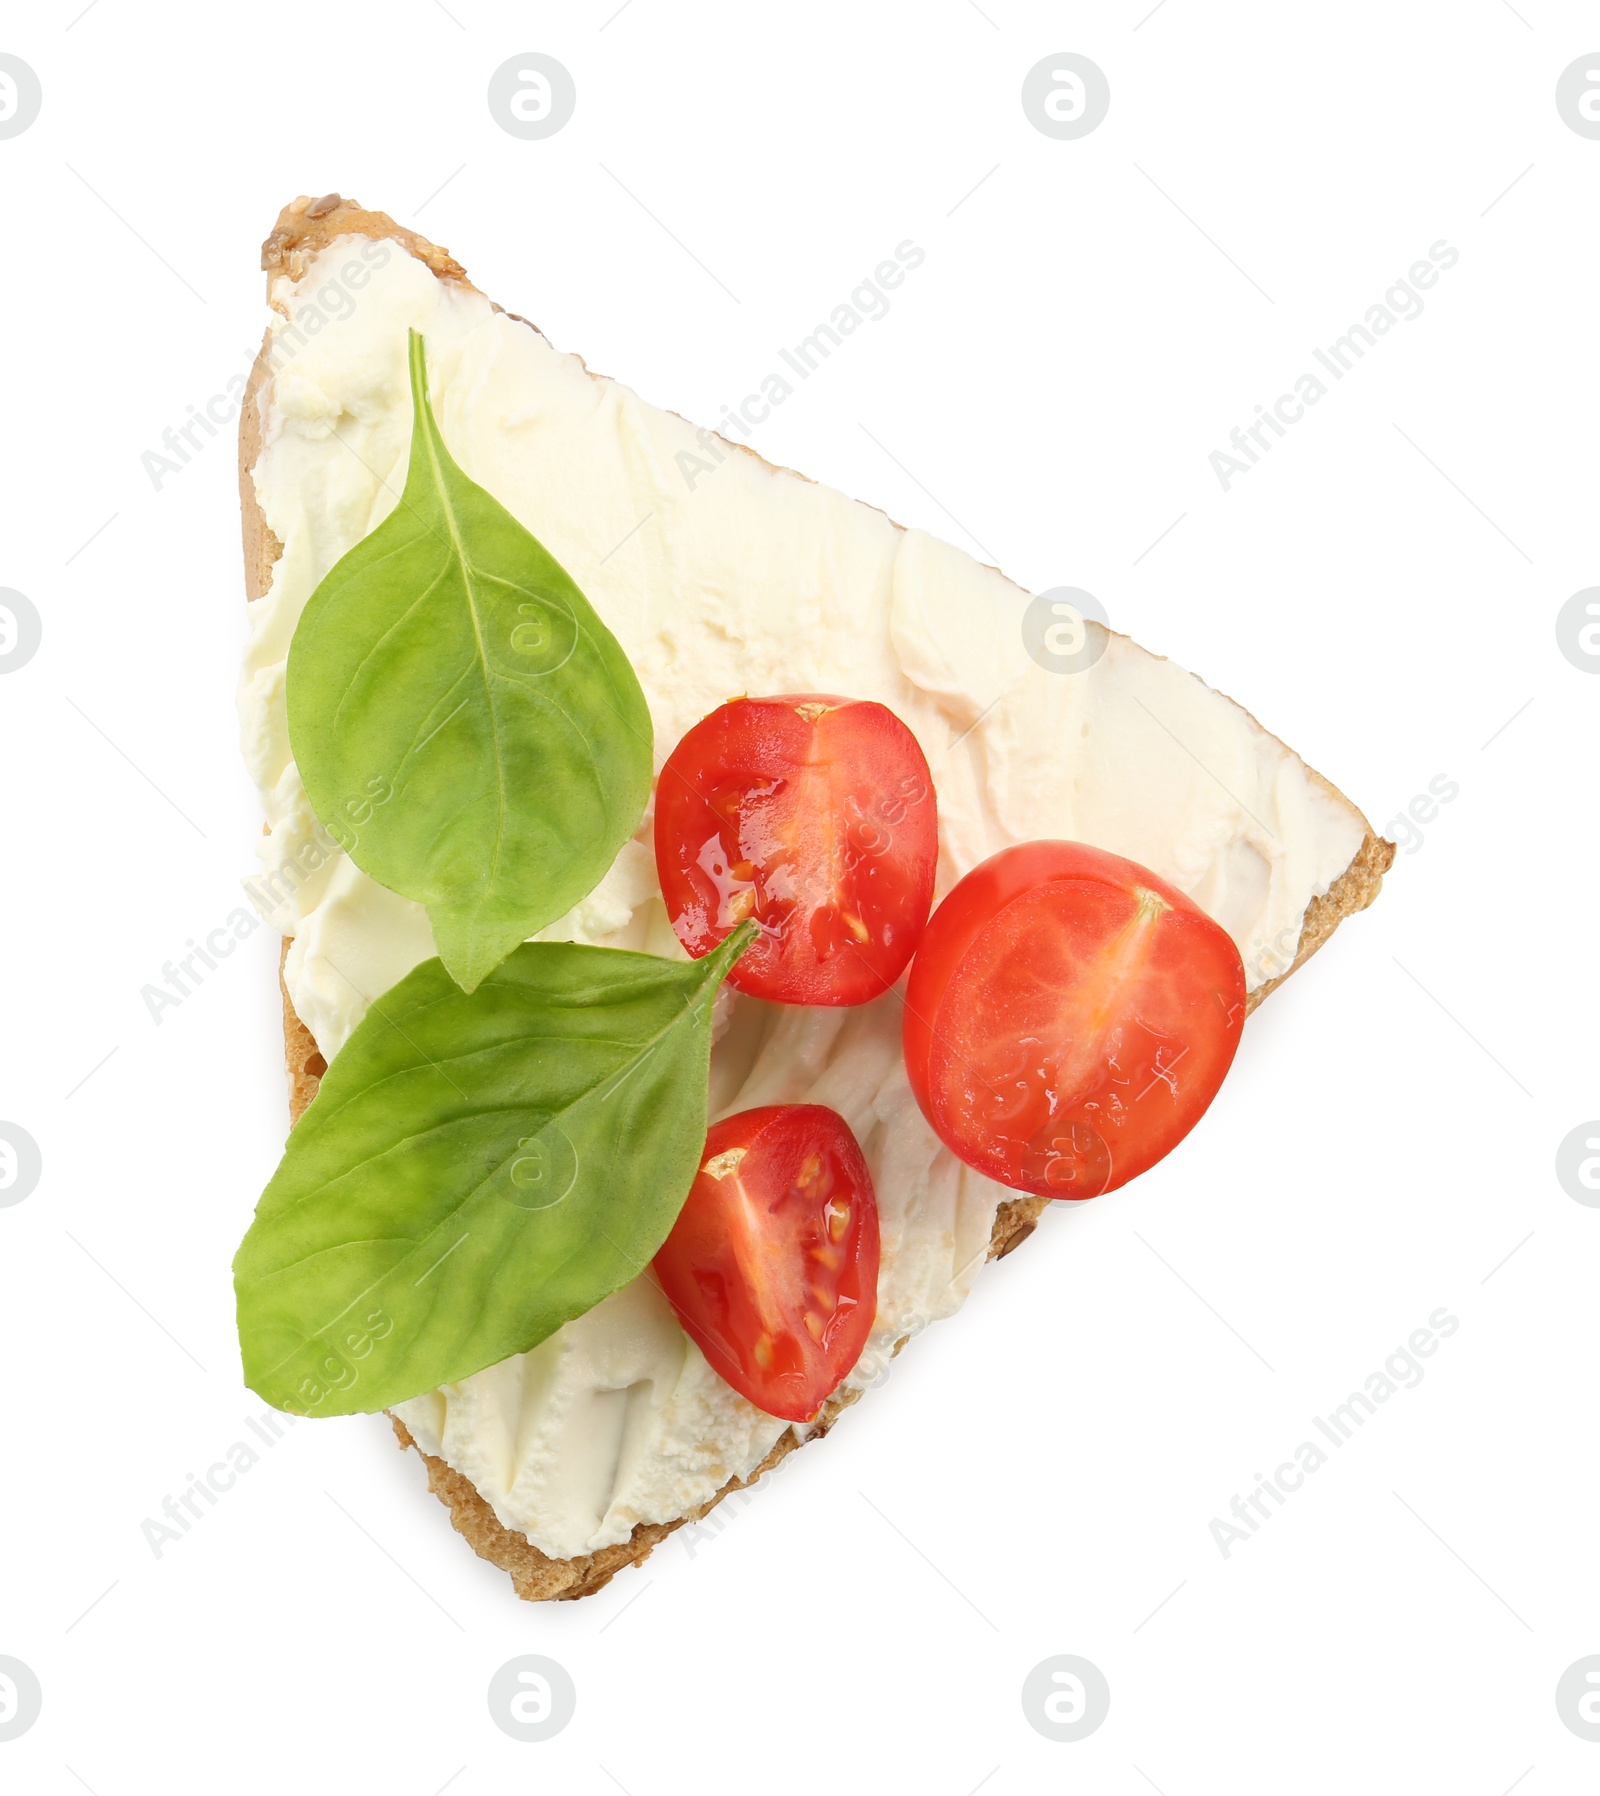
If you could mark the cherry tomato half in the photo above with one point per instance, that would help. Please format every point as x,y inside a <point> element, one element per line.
<point>772,1264</point>
<point>1069,1018</point>
<point>815,816</point>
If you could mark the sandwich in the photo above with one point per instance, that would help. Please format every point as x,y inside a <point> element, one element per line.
<point>718,921</point>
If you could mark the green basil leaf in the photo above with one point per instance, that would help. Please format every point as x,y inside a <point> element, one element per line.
<point>465,726</point>
<point>476,1171</point>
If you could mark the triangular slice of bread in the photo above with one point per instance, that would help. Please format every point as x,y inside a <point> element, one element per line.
<point>303,230</point>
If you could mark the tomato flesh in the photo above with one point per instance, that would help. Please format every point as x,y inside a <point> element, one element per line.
<point>814,815</point>
<point>1069,1018</point>
<point>772,1265</point>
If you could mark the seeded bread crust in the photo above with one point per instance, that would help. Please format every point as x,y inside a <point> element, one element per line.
<point>303,229</point>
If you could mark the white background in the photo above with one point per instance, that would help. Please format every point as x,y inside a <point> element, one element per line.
<point>1039,1474</point>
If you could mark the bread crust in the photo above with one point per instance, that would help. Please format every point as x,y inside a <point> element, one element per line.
<point>304,228</point>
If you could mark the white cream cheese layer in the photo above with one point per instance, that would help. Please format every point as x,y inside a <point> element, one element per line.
<point>720,577</point>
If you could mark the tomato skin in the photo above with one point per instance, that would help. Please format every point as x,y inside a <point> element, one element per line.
<point>814,814</point>
<point>772,1265</point>
<point>1069,1018</point>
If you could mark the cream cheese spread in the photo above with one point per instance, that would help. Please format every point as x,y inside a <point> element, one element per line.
<point>743,579</point>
